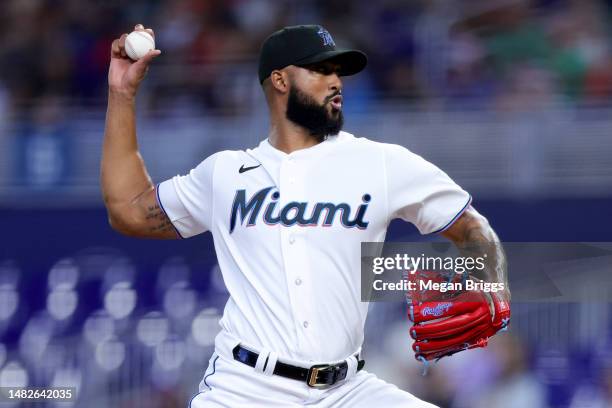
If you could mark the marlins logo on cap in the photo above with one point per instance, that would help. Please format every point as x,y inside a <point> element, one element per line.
<point>326,36</point>
<point>303,45</point>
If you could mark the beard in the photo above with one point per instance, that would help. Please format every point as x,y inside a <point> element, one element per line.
<point>304,111</point>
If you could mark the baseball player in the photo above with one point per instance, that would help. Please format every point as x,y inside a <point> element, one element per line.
<point>287,218</point>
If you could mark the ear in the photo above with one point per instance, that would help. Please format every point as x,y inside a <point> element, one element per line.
<point>280,80</point>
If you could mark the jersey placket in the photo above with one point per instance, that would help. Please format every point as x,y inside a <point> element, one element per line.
<point>295,259</point>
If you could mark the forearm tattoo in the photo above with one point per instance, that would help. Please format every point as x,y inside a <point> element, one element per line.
<point>158,220</point>
<point>481,240</point>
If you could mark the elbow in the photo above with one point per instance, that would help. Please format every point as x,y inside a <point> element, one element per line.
<point>118,225</point>
<point>122,224</point>
<point>121,217</point>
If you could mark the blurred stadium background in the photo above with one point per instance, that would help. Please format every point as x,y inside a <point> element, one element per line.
<point>512,98</point>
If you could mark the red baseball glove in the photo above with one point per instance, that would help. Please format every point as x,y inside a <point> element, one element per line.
<point>446,322</point>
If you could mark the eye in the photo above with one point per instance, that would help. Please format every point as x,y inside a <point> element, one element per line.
<point>323,69</point>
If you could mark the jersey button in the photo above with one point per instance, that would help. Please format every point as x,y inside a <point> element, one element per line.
<point>298,281</point>
<point>291,239</point>
<point>305,324</point>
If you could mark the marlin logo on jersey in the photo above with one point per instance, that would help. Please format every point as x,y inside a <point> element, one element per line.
<point>294,213</point>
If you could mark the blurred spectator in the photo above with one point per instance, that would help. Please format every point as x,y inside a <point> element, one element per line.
<point>43,151</point>
<point>470,76</point>
<point>598,82</point>
<point>512,386</point>
<point>527,88</point>
<point>590,396</point>
<point>595,389</point>
<point>418,50</point>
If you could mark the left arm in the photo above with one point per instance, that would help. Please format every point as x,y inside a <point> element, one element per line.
<point>442,327</point>
<point>471,232</point>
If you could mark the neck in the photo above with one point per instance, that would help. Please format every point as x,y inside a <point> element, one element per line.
<point>288,137</point>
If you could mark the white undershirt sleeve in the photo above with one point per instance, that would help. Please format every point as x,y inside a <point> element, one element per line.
<point>421,193</point>
<point>188,200</point>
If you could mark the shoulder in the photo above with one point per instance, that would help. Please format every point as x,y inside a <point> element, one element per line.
<point>373,146</point>
<point>349,139</point>
<point>226,156</point>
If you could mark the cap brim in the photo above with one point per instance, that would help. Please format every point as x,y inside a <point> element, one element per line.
<point>350,61</point>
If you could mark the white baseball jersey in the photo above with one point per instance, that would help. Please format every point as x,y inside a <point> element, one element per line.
<point>287,230</point>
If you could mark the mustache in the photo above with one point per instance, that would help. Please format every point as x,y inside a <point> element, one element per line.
<point>332,96</point>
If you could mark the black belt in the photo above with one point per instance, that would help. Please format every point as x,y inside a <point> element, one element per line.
<point>317,376</point>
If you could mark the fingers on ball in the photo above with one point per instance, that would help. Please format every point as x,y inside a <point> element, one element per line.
<point>115,48</point>
<point>148,57</point>
<point>118,47</point>
<point>122,45</point>
<point>140,27</point>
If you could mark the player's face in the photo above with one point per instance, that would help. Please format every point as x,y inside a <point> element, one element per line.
<point>315,99</point>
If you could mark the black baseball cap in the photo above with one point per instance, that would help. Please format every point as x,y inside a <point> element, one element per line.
<point>306,44</point>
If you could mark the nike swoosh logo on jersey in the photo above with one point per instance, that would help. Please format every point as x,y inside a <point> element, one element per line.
<point>242,169</point>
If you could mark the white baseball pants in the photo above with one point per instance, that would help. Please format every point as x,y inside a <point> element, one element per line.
<point>232,384</point>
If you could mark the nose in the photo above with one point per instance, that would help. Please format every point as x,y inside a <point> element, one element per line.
<point>335,83</point>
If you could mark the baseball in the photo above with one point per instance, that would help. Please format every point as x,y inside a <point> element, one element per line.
<point>138,43</point>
